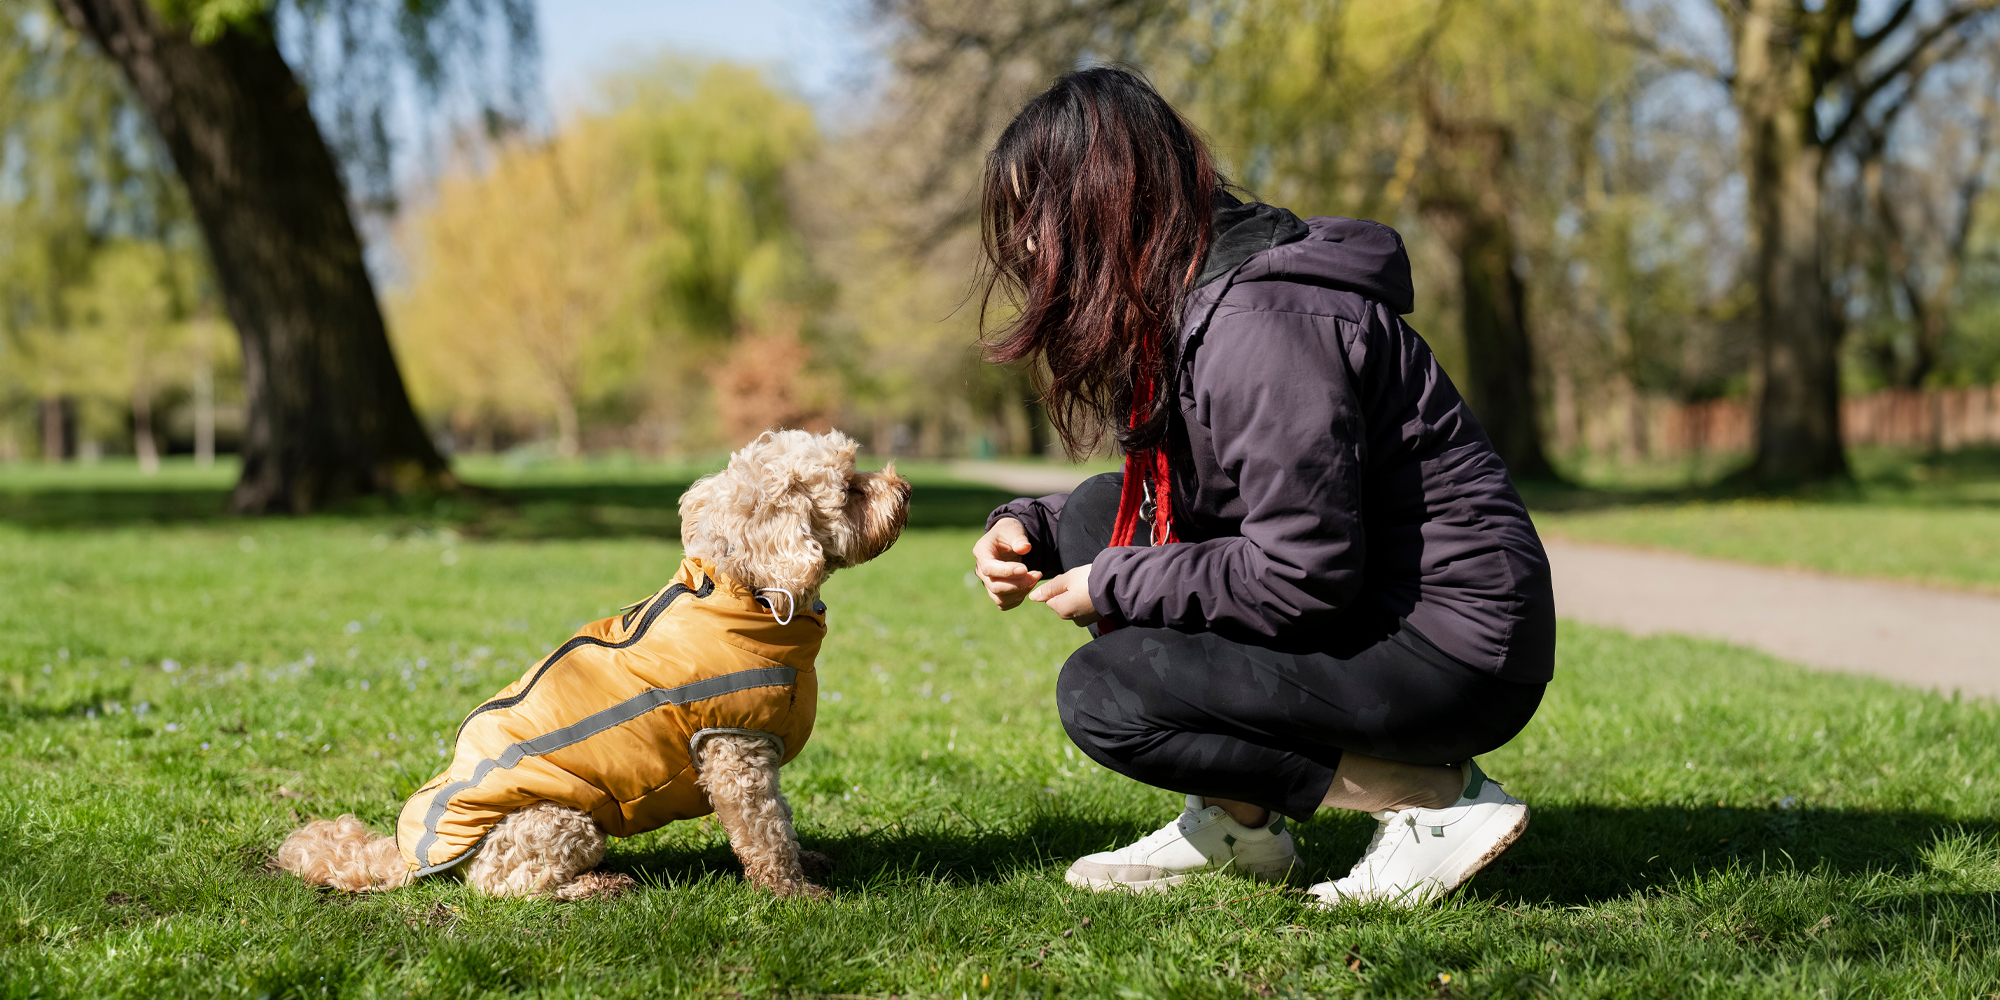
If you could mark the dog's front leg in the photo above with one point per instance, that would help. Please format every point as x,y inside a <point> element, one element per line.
<point>740,775</point>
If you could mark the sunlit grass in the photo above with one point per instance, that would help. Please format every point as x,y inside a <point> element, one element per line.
<point>1924,518</point>
<point>1939,545</point>
<point>1708,821</point>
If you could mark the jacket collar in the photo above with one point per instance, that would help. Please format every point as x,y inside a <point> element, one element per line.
<point>1244,230</point>
<point>748,614</point>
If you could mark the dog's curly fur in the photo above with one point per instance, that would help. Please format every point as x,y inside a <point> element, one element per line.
<point>342,853</point>
<point>788,511</point>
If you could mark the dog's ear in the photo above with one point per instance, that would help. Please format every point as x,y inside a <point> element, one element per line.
<point>878,506</point>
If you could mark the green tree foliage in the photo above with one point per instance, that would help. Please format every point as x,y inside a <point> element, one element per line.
<point>894,221</point>
<point>327,416</point>
<point>1814,83</point>
<point>466,61</point>
<point>1462,122</point>
<point>692,259</point>
<point>94,235</point>
<point>139,332</point>
<point>716,150</point>
<point>605,272</point>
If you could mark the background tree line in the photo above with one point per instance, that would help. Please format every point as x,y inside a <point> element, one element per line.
<point>1607,202</point>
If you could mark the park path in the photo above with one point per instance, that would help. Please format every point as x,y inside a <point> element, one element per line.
<point>1945,640</point>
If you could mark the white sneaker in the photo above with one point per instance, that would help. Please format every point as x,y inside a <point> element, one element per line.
<point>1201,839</point>
<point>1420,854</point>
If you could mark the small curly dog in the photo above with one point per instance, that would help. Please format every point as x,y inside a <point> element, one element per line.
<point>685,704</point>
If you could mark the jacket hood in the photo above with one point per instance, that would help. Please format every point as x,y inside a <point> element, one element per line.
<point>1272,244</point>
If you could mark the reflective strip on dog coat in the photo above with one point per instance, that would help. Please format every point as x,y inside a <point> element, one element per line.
<point>604,723</point>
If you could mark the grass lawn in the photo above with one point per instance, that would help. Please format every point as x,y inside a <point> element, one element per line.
<point>179,689</point>
<point>1926,519</point>
<point>1949,546</point>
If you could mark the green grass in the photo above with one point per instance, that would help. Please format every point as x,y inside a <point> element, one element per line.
<point>1708,821</point>
<point>1951,546</point>
<point>1931,519</point>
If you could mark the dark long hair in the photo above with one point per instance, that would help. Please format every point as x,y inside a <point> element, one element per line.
<point>1095,215</point>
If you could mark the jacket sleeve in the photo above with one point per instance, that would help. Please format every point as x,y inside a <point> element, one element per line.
<point>1274,392</point>
<point>1038,517</point>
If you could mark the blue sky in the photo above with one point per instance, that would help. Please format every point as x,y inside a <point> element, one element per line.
<point>821,47</point>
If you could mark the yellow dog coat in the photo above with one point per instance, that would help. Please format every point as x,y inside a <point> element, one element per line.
<point>610,723</point>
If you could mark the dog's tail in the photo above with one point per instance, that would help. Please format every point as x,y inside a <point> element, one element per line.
<point>342,853</point>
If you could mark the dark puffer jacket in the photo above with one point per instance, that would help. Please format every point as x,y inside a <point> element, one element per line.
<point>1327,475</point>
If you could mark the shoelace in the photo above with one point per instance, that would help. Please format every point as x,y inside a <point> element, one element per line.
<point>1381,845</point>
<point>1172,831</point>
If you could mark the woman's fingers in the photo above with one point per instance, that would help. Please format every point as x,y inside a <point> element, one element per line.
<point>1068,596</point>
<point>1005,538</point>
<point>1072,605</point>
<point>1009,536</point>
<point>1008,592</point>
<point>1007,580</point>
<point>1057,586</point>
<point>994,569</point>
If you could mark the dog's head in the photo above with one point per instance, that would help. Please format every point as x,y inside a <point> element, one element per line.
<point>790,509</point>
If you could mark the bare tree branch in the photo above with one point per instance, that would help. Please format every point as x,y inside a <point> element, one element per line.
<point>1870,41</point>
<point>1974,184</point>
<point>1924,54</point>
<point>1673,59</point>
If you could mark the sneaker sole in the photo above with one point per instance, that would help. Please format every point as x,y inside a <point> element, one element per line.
<point>1269,871</point>
<point>1460,867</point>
<point>1457,870</point>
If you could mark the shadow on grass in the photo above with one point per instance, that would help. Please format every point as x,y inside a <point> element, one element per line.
<point>71,507</point>
<point>566,510</point>
<point>621,507</point>
<point>1570,855</point>
<point>1586,854</point>
<point>69,705</point>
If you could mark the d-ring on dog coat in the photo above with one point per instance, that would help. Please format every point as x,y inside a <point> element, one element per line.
<point>610,723</point>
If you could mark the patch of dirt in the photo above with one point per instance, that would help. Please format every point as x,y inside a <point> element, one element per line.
<point>817,866</point>
<point>439,915</point>
<point>258,859</point>
<point>134,910</point>
<point>597,885</point>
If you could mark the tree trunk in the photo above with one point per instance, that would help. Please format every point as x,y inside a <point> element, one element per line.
<point>1464,194</point>
<point>327,415</point>
<point>55,429</point>
<point>1500,381</point>
<point>1798,405</point>
<point>204,411</point>
<point>1566,413</point>
<point>1929,320</point>
<point>569,437</point>
<point>1930,311</point>
<point>143,444</point>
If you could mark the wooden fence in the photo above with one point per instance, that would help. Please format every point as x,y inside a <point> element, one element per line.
<point>1940,419</point>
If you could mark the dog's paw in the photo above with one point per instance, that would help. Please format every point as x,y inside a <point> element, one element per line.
<point>816,866</point>
<point>801,890</point>
<point>597,885</point>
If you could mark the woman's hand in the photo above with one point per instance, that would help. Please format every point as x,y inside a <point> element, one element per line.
<point>995,558</point>
<point>1068,596</point>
